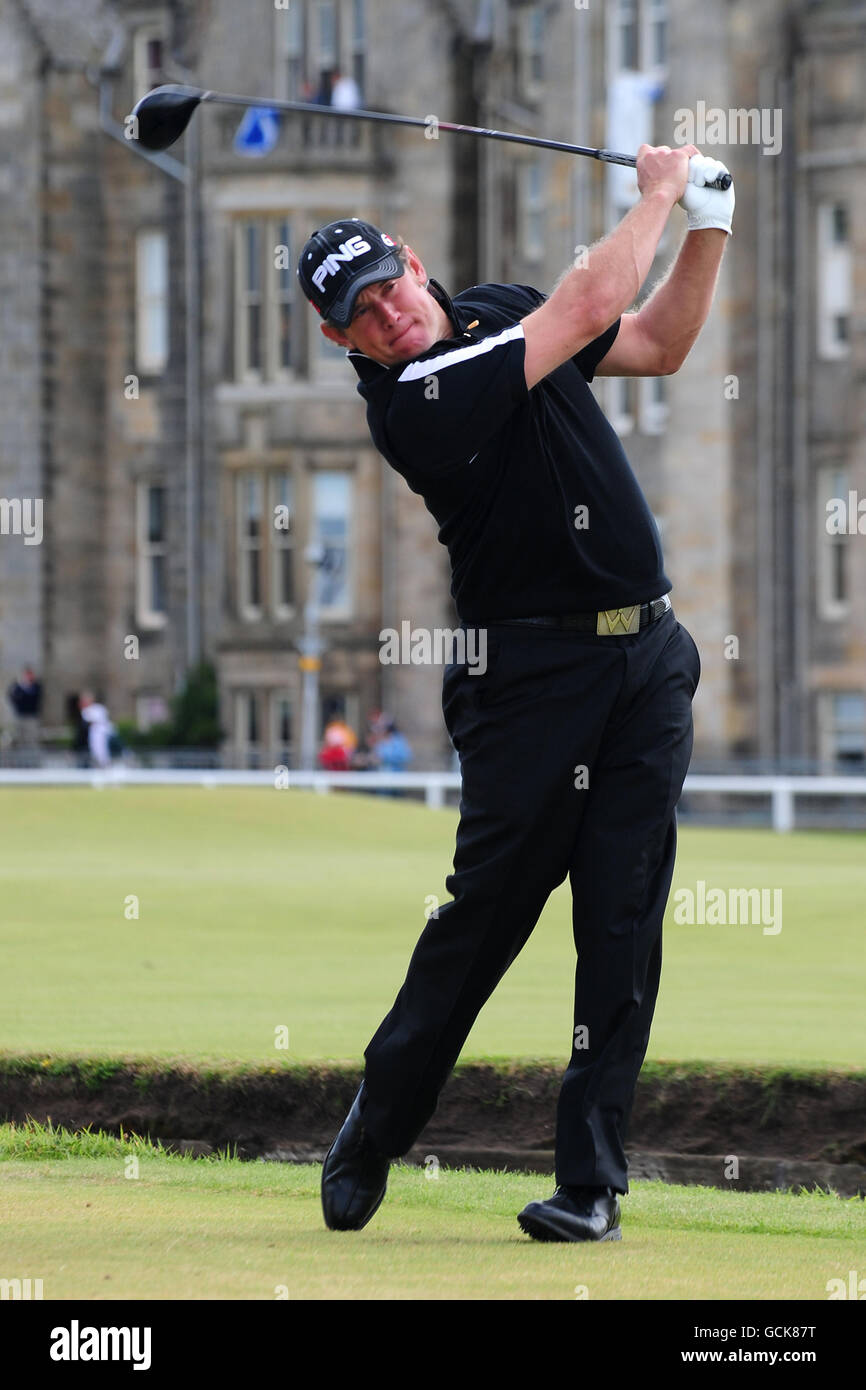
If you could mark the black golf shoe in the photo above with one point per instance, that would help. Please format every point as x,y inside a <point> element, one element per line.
<point>354,1174</point>
<point>574,1213</point>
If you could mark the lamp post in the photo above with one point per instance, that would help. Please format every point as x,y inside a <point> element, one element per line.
<point>310,646</point>
<point>188,174</point>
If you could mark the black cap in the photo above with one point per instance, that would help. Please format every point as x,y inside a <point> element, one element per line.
<point>339,260</point>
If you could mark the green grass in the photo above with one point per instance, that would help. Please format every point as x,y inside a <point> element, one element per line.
<point>93,1224</point>
<point>261,908</point>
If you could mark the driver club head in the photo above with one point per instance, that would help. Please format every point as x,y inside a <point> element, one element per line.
<point>164,114</point>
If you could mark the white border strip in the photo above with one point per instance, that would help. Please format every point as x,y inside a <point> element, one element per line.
<point>457,355</point>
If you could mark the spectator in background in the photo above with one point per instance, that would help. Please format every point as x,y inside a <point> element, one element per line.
<point>326,132</point>
<point>345,96</point>
<point>25,697</point>
<point>393,753</point>
<point>325,88</point>
<point>80,728</point>
<point>338,746</point>
<point>376,722</point>
<point>100,729</point>
<point>345,93</point>
<point>364,757</point>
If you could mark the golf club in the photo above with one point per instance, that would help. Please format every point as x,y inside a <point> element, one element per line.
<point>163,115</point>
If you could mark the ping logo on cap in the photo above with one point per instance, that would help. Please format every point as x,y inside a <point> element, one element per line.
<point>347,255</point>
<point>348,251</point>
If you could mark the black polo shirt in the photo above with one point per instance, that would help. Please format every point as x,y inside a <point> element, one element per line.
<point>534,496</point>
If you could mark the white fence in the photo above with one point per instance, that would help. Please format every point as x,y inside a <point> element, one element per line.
<point>781,790</point>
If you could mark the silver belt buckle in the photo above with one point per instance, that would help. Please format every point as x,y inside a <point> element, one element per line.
<point>612,621</point>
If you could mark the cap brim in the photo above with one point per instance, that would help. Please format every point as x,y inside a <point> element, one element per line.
<point>389,268</point>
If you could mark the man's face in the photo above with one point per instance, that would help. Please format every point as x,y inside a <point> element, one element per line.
<point>395,320</point>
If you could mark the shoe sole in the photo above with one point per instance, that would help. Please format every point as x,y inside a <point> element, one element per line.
<point>357,1226</point>
<point>334,1225</point>
<point>345,1226</point>
<point>542,1230</point>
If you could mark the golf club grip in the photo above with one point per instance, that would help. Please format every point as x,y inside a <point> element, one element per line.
<point>630,161</point>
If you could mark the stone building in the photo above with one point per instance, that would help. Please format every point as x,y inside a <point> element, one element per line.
<point>165,391</point>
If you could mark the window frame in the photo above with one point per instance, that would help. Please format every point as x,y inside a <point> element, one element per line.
<point>653,413</point>
<point>533,210</point>
<point>335,613</point>
<point>533,52</point>
<point>834,276</point>
<point>829,606</point>
<point>618,389</point>
<point>141,69</point>
<point>830,727</point>
<point>146,550</point>
<point>247,611</point>
<point>277,744</point>
<point>150,362</point>
<point>279,542</point>
<point>269,297</point>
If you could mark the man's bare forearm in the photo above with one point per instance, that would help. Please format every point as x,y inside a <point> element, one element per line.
<point>677,309</point>
<point>608,278</point>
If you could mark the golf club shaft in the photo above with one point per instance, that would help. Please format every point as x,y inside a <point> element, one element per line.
<point>432,123</point>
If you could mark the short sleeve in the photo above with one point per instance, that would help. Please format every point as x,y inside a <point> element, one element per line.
<point>589,357</point>
<point>444,408</point>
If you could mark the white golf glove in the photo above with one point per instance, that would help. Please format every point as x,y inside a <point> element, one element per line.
<point>707,207</point>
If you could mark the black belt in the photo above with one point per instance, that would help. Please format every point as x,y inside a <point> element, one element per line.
<point>606,622</point>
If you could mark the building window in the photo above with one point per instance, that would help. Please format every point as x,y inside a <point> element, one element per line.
<point>150,710</point>
<point>833,265</point>
<point>265,547</point>
<point>291,22</point>
<point>532,49</point>
<point>655,34</point>
<point>266,320</point>
<point>832,558</point>
<point>250,544</point>
<point>286,280</point>
<point>148,60</point>
<point>281,727</point>
<point>626,36</point>
<point>263,723</point>
<point>314,40</point>
<point>152,552</point>
<point>330,529</point>
<point>340,704</point>
<point>327,53</point>
<point>151,301</point>
<point>654,408</point>
<point>622,403</point>
<point>842,731</point>
<point>359,44</point>
<point>251,346</point>
<point>532,210</point>
<point>637,36</point>
<point>248,726</point>
<point>282,545</point>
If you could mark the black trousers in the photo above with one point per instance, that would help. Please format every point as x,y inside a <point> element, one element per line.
<point>573,749</point>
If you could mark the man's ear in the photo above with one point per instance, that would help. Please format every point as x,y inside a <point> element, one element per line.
<point>416,266</point>
<point>335,335</point>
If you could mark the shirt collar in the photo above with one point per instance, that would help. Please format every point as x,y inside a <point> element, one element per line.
<point>368,370</point>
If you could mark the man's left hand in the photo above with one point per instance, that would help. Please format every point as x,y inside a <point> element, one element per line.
<point>707,207</point>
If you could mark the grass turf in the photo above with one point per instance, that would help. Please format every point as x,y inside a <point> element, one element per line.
<point>260,910</point>
<point>79,1214</point>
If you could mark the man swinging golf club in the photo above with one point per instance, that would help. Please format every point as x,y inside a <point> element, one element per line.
<point>575,739</point>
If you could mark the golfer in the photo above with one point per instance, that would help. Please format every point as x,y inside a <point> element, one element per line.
<point>575,739</point>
